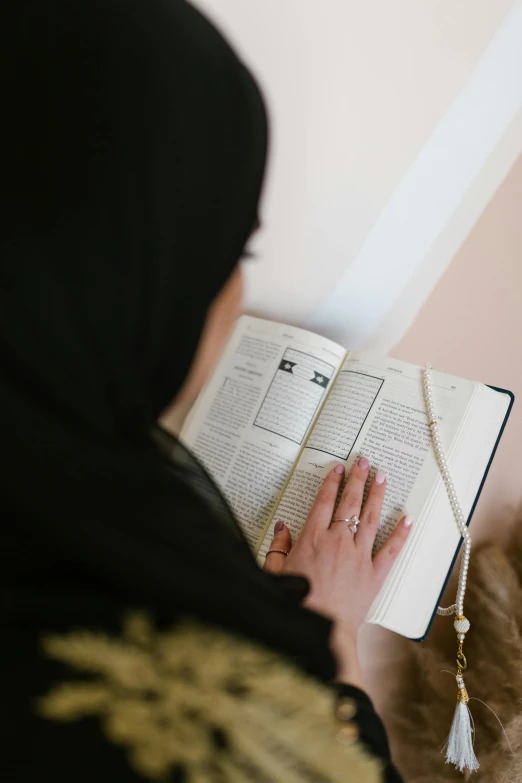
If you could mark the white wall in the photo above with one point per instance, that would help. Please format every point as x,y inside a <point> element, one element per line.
<point>366,97</point>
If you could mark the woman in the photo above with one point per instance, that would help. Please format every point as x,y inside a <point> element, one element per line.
<point>133,157</point>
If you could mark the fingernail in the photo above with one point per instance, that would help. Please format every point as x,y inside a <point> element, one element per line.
<point>278,526</point>
<point>339,468</point>
<point>408,521</point>
<point>379,477</point>
<point>363,463</point>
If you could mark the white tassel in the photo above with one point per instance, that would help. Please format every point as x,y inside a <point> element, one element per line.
<point>459,745</point>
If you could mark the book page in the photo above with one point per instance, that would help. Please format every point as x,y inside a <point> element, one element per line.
<point>375,409</point>
<point>250,423</point>
<point>414,585</point>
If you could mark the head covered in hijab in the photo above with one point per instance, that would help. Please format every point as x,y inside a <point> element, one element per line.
<point>133,157</point>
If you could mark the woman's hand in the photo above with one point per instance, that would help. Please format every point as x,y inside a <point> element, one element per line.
<point>344,578</point>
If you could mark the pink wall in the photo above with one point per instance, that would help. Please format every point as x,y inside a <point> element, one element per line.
<point>472,326</point>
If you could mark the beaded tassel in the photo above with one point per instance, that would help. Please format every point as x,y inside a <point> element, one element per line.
<point>459,745</point>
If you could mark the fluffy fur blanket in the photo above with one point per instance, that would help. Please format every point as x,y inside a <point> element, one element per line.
<point>420,720</point>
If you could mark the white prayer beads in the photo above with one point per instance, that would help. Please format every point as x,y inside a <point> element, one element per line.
<point>458,606</point>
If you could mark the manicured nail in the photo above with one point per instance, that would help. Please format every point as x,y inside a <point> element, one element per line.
<point>379,477</point>
<point>278,526</point>
<point>339,468</point>
<point>364,463</point>
<point>408,521</point>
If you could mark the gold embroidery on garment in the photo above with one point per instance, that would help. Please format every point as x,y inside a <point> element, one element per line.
<point>220,706</point>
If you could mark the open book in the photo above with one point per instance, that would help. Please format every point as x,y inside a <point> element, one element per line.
<point>284,406</point>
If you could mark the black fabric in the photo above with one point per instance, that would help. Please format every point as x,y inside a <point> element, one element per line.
<point>80,750</point>
<point>46,750</point>
<point>132,161</point>
<point>133,153</point>
<point>134,144</point>
<point>372,733</point>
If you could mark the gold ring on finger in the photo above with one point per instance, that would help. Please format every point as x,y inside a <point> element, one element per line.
<point>352,522</point>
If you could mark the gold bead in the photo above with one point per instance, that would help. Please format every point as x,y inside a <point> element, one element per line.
<point>462,695</point>
<point>348,734</point>
<point>346,708</point>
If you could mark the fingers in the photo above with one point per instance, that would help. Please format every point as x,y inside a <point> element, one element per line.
<point>352,496</point>
<point>389,552</point>
<point>282,539</point>
<point>321,512</point>
<point>371,513</point>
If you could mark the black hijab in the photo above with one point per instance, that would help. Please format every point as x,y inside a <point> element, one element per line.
<point>133,156</point>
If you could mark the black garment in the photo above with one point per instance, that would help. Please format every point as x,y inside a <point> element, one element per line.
<point>81,749</point>
<point>134,144</point>
<point>372,733</point>
<point>133,168</point>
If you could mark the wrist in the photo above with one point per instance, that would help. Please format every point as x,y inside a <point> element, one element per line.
<point>343,643</point>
